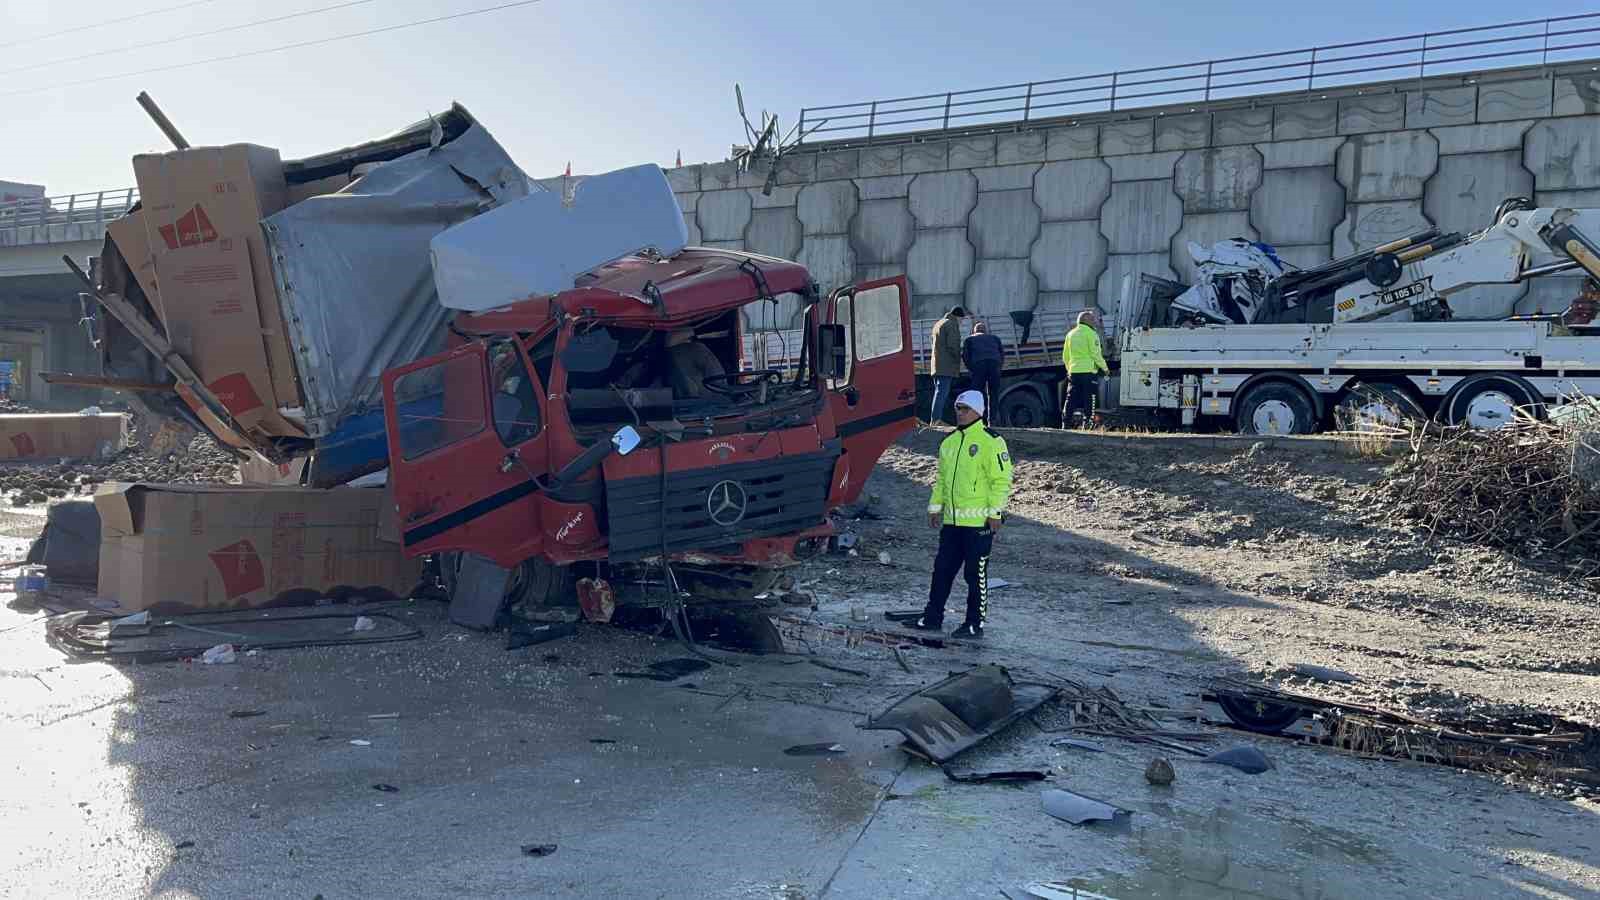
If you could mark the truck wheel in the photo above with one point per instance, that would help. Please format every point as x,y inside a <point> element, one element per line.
<point>1021,408</point>
<point>1366,406</point>
<point>1491,401</point>
<point>534,582</point>
<point>1274,407</point>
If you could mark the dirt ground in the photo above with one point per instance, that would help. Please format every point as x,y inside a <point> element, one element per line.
<point>1268,557</point>
<point>1147,567</point>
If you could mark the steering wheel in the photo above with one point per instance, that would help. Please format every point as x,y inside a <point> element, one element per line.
<point>733,384</point>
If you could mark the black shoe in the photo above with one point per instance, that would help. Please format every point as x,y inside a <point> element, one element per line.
<point>968,632</point>
<point>922,624</point>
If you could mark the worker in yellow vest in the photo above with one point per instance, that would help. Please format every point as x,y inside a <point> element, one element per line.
<point>1085,363</point>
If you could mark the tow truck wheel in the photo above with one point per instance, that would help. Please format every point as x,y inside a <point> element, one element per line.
<point>1274,408</point>
<point>1367,407</point>
<point>1491,401</point>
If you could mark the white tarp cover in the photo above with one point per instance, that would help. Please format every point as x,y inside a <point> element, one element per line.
<point>353,274</point>
<point>540,243</point>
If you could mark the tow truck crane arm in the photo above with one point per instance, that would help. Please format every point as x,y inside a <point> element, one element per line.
<point>1522,244</point>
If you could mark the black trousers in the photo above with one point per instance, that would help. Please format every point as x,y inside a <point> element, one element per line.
<point>1083,389</point>
<point>986,380</point>
<point>961,547</point>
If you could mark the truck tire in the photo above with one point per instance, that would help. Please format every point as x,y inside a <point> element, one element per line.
<point>1381,405</point>
<point>1273,408</point>
<point>532,582</point>
<point>1022,407</point>
<point>1490,401</point>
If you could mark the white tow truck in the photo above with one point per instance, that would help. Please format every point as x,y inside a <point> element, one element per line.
<point>1276,351</point>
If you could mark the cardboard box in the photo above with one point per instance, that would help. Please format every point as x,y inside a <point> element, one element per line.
<point>177,548</point>
<point>134,245</point>
<point>260,470</point>
<point>210,309</point>
<point>197,196</point>
<point>58,435</point>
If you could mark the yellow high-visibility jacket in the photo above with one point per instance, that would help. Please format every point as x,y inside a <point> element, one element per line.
<point>974,477</point>
<point>1080,352</point>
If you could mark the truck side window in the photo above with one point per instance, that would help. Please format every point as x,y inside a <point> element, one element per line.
<point>872,319</point>
<point>439,405</point>
<point>515,402</point>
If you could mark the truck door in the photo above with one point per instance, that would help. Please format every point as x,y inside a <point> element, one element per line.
<point>466,441</point>
<point>876,400</point>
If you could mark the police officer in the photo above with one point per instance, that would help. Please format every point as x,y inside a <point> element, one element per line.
<point>967,507</point>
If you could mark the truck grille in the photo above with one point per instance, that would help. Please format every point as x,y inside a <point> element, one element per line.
<point>718,507</point>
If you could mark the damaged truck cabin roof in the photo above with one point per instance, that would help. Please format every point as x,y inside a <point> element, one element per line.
<point>697,281</point>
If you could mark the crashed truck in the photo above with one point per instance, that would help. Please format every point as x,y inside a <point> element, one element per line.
<point>1271,349</point>
<point>505,353</point>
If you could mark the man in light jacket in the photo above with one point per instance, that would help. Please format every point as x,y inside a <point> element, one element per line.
<point>1085,363</point>
<point>946,360</point>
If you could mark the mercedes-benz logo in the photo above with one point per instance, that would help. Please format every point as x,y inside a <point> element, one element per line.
<point>726,502</point>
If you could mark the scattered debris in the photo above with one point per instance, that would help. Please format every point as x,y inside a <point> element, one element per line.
<point>602,740</point>
<point>1533,744</point>
<point>1323,673</point>
<point>386,788</point>
<point>538,849</point>
<point>246,713</point>
<point>1018,776</point>
<point>597,600</point>
<point>823,749</point>
<point>680,667</point>
<point>525,635</point>
<point>942,720</point>
<point>903,615</point>
<point>384,716</point>
<point>805,630</point>
<point>358,743</point>
<point>1076,744</point>
<point>901,659</point>
<point>1160,772</point>
<point>89,634</point>
<point>996,584</point>
<point>219,655</point>
<point>1078,809</point>
<point>1245,758</point>
<point>836,668</point>
<point>183,845</point>
<point>1059,890</point>
<point>363,624</point>
<point>884,558</point>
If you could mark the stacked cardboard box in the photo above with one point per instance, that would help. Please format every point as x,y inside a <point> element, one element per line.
<point>201,260</point>
<point>176,548</point>
<point>61,435</point>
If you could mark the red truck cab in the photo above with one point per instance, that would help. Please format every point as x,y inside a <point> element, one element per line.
<point>564,436</point>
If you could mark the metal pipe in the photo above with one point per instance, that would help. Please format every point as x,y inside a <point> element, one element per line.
<point>162,122</point>
<point>1551,269</point>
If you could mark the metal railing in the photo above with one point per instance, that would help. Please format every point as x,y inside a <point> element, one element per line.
<point>95,209</point>
<point>1508,45</point>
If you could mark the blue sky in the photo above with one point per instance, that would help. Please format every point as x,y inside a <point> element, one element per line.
<point>602,83</point>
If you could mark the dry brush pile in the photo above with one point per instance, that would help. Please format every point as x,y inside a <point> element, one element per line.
<point>1530,488</point>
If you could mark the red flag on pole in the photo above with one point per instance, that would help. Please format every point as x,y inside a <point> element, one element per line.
<point>679,163</point>
<point>569,169</point>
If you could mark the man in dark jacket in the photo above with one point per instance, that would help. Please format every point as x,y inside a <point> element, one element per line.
<point>983,353</point>
<point>946,360</point>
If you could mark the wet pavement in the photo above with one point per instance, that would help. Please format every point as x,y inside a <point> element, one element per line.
<point>132,781</point>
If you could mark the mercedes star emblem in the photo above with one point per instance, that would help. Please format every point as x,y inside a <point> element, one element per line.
<point>726,503</point>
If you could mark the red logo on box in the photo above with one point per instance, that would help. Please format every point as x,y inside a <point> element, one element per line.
<point>240,568</point>
<point>23,443</point>
<point>236,393</point>
<point>192,228</point>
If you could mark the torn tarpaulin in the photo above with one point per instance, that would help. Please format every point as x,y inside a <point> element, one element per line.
<point>959,712</point>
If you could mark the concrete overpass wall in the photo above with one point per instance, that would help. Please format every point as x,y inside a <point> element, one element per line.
<point>1052,215</point>
<point>39,328</point>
